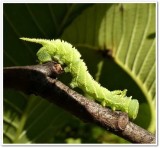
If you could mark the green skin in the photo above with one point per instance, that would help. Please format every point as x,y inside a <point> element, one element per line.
<point>64,53</point>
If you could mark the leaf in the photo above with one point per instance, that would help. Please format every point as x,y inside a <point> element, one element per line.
<point>28,20</point>
<point>125,34</point>
<point>31,119</point>
<point>88,27</point>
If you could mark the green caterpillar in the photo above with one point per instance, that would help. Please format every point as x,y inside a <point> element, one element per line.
<point>66,54</point>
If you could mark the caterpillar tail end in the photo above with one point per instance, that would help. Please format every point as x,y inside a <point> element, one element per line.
<point>133,109</point>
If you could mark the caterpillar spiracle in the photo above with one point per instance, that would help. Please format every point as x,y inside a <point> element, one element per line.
<point>65,53</point>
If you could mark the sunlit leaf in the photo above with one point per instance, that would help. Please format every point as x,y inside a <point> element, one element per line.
<point>125,34</point>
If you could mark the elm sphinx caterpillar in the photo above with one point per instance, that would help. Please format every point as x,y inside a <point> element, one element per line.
<point>65,53</point>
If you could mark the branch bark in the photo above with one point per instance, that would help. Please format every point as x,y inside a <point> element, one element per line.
<point>41,80</point>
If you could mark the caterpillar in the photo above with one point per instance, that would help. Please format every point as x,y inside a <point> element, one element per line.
<point>68,55</point>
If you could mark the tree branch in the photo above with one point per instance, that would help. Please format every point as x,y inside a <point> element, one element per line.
<point>40,80</point>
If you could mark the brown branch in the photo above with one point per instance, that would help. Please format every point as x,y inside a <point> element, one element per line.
<point>40,80</point>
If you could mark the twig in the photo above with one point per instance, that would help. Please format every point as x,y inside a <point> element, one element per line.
<point>40,80</point>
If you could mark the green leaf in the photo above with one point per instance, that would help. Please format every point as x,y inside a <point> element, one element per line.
<point>125,34</point>
<point>112,38</point>
<point>30,119</point>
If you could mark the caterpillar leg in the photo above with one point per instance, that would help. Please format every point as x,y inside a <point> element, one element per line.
<point>73,84</point>
<point>103,103</point>
<point>67,69</point>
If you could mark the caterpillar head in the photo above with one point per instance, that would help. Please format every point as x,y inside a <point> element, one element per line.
<point>43,55</point>
<point>133,108</point>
